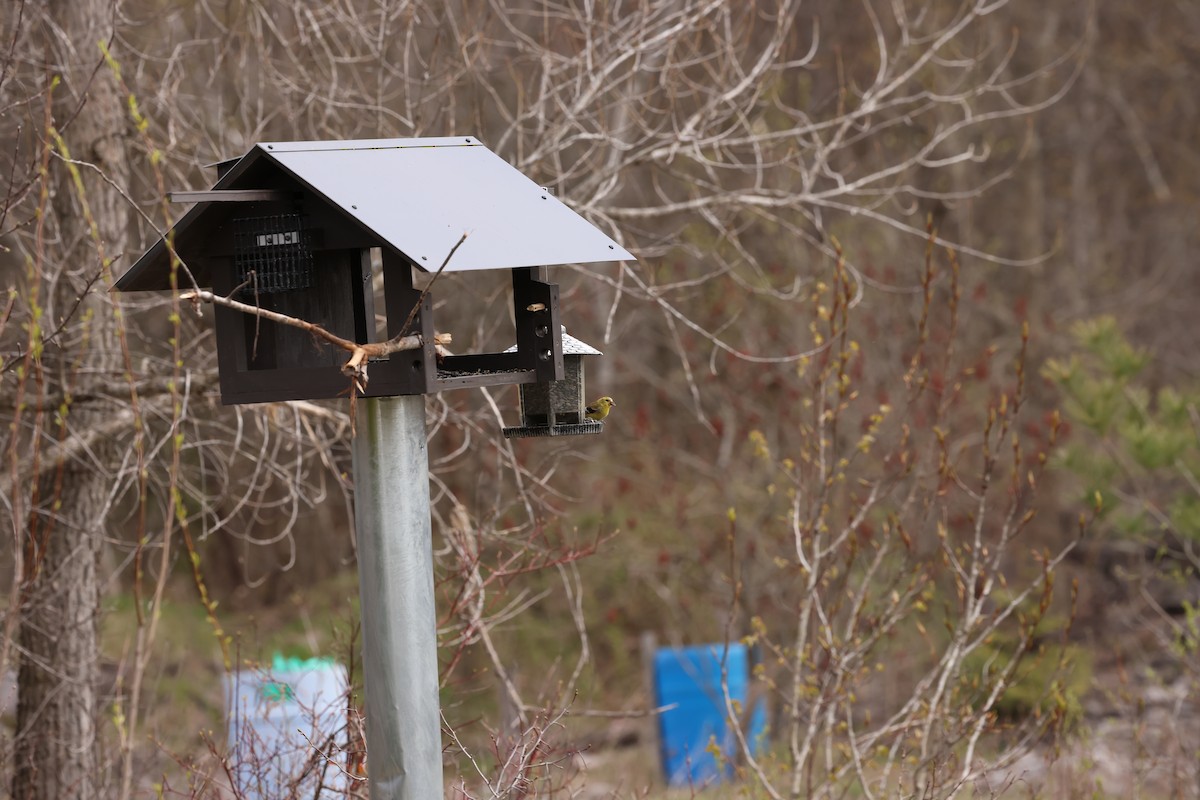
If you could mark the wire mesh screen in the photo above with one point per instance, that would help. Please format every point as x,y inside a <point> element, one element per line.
<point>276,249</point>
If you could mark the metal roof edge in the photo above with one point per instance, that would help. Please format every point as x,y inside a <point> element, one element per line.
<point>141,270</point>
<point>371,144</point>
<point>222,162</point>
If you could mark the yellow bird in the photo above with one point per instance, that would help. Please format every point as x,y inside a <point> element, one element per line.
<point>599,409</point>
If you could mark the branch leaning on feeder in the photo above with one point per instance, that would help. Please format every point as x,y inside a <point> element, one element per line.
<point>356,366</point>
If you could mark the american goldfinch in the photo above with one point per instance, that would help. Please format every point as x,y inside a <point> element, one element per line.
<point>599,409</point>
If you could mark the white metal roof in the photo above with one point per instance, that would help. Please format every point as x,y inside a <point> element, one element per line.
<point>417,196</point>
<point>422,195</point>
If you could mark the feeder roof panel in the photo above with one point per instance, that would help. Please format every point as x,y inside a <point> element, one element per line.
<point>422,195</point>
<point>418,196</point>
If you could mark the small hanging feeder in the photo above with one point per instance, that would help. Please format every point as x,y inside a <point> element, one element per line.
<point>555,408</point>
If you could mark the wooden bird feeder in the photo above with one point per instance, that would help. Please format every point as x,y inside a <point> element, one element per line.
<point>290,226</point>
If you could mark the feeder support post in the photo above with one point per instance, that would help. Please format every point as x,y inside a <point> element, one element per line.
<point>399,621</point>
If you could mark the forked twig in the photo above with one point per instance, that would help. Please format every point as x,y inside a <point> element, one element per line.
<point>360,354</point>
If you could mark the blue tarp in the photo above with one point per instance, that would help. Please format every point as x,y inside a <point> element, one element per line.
<point>698,746</point>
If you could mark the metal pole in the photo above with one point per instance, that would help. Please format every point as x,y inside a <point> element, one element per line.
<point>395,577</point>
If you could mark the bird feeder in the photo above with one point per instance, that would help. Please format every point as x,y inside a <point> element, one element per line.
<point>555,408</point>
<point>290,227</point>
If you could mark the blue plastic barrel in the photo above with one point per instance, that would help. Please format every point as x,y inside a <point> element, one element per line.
<point>689,678</point>
<point>277,719</point>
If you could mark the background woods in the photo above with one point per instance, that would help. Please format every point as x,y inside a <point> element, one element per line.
<point>862,230</point>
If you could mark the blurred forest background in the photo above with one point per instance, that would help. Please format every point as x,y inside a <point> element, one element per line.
<point>907,391</point>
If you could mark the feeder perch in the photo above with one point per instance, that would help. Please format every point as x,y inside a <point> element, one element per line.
<point>555,408</point>
<point>291,226</point>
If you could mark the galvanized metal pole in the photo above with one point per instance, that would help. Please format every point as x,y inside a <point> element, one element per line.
<point>395,575</point>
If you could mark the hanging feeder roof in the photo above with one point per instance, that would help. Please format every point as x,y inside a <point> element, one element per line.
<point>570,346</point>
<point>415,196</point>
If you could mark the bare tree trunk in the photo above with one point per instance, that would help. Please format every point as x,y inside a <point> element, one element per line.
<point>55,748</point>
<point>56,752</point>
